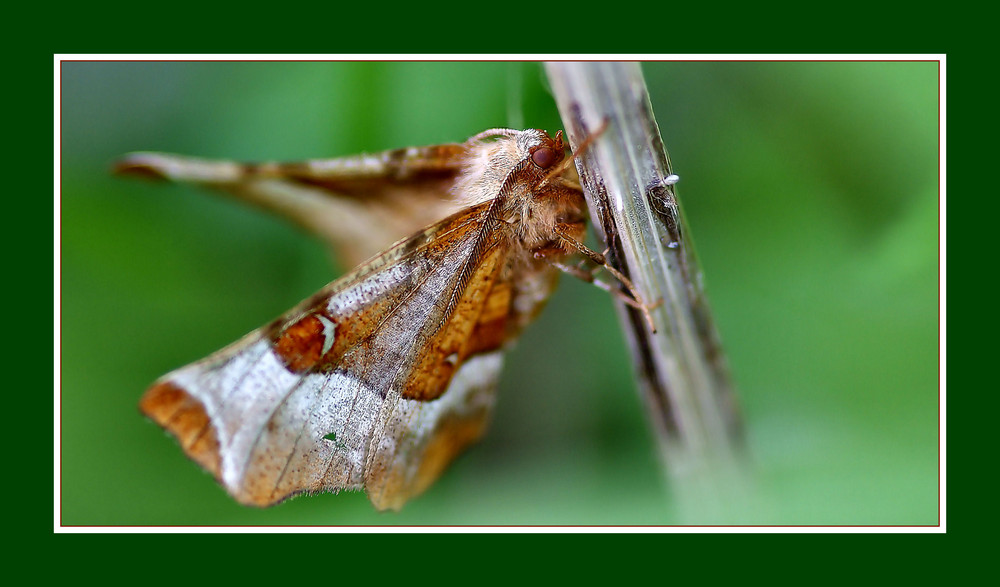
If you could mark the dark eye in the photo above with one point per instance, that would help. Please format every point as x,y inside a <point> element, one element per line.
<point>544,157</point>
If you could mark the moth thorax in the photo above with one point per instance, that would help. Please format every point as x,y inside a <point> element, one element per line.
<point>485,170</point>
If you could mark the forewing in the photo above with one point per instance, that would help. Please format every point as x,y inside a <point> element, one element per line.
<point>376,382</point>
<point>360,205</point>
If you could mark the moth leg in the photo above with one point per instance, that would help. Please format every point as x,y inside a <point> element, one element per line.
<point>632,299</point>
<point>589,276</point>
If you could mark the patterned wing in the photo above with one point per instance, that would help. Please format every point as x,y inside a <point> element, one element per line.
<point>376,382</point>
<point>360,204</point>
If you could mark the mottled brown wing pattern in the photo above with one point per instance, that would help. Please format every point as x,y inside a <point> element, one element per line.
<point>290,407</point>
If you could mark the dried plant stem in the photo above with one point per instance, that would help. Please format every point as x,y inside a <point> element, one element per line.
<point>684,379</point>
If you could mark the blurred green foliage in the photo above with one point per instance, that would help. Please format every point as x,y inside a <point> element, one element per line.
<point>810,190</point>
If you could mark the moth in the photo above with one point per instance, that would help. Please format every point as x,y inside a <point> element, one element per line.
<point>380,379</point>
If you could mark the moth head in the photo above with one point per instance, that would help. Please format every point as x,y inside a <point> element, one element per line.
<point>521,160</point>
<point>507,147</point>
<point>548,151</point>
<point>548,161</point>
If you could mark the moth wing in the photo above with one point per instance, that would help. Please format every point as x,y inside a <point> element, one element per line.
<point>359,205</point>
<point>377,382</point>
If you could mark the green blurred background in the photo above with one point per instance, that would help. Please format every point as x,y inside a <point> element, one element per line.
<point>811,194</point>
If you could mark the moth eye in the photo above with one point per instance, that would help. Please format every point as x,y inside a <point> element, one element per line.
<point>544,157</point>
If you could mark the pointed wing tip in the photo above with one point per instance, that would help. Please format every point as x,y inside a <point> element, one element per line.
<point>183,416</point>
<point>145,165</point>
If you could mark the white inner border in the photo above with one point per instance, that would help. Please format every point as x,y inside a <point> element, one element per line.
<point>57,164</point>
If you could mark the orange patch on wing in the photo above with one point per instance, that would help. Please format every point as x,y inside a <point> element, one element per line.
<point>488,336</point>
<point>441,356</point>
<point>450,439</point>
<point>300,345</point>
<point>184,416</point>
<point>491,330</point>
